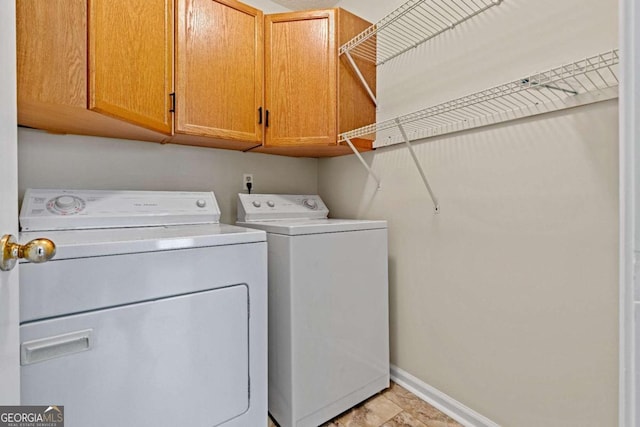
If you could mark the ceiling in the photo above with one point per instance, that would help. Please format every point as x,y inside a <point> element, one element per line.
<point>306,4</point>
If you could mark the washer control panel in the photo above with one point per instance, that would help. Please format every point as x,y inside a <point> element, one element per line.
<point>267,207</point>
<point>81,209</point>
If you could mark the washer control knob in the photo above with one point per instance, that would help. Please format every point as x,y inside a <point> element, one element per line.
<point>256,203</point>
<point>310,203</point>
<point>65,205</point>
<point>270,204</point>
<point>201,203</point>
<point>65,202</point>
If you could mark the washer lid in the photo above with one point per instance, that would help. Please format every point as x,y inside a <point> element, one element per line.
<point>314,226</point>
<point>117,241</point>
<point>83,209</point>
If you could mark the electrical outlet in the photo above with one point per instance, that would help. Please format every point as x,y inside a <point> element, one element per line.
<point>246,179</point>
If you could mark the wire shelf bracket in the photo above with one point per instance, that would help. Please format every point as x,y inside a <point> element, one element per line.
<point>436,204</point>
<point>363,81</point>
<point>372,174</point>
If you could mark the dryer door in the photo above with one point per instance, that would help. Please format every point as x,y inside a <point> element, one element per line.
<point>175,361</point>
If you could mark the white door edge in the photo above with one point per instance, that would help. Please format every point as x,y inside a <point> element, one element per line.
<point>629,14</point>
<point>9,296</point>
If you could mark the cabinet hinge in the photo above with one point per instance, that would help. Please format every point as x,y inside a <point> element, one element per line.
<point>173,102</point>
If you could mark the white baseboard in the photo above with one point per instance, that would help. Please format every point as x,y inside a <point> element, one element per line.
<point>445,403</point>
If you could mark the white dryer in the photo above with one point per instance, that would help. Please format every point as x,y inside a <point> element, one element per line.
<point>150,314</point>
<point>328,307</point>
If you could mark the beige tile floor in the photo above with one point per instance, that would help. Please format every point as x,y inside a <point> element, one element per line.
<point>394,407</point>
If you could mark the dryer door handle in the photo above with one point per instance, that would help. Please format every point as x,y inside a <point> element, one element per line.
<point>51,347</point>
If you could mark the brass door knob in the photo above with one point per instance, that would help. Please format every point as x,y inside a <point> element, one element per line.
<point>37,250</point>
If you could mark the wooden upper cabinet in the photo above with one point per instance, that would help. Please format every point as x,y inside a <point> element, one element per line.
<point>311,93</point>
<point>131,60</point>
<point>242,81</point>
<point>52,72</point>
<point>300,73</point>
<point>219,79</point>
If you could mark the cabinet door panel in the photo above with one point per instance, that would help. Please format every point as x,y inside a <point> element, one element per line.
<point>42,49</point>
<point>219,75</point>
<point>130,60</point>
<point>300,73</point>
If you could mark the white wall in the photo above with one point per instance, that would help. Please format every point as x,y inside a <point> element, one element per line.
<point>507,300</point>
<point>71,161</point>
<point>267,6</point>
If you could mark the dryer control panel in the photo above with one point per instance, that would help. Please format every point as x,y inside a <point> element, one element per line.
<point>82,209</point>
<point>266,207</point>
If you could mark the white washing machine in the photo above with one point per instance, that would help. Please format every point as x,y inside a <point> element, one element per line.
<point>151,313</point>
<point>328,307</point>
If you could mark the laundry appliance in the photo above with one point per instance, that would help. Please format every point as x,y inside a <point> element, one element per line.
<point>328,307</point>
<point>151,313</point>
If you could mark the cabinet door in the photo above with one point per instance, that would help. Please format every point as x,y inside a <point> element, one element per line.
<point>219,77</point>
<point>43,47</point>
<point>130,60</point>
<point>300,74</point>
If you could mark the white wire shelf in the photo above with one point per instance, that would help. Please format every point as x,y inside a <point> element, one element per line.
<point>585,81</point>
<point>410,25</point>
